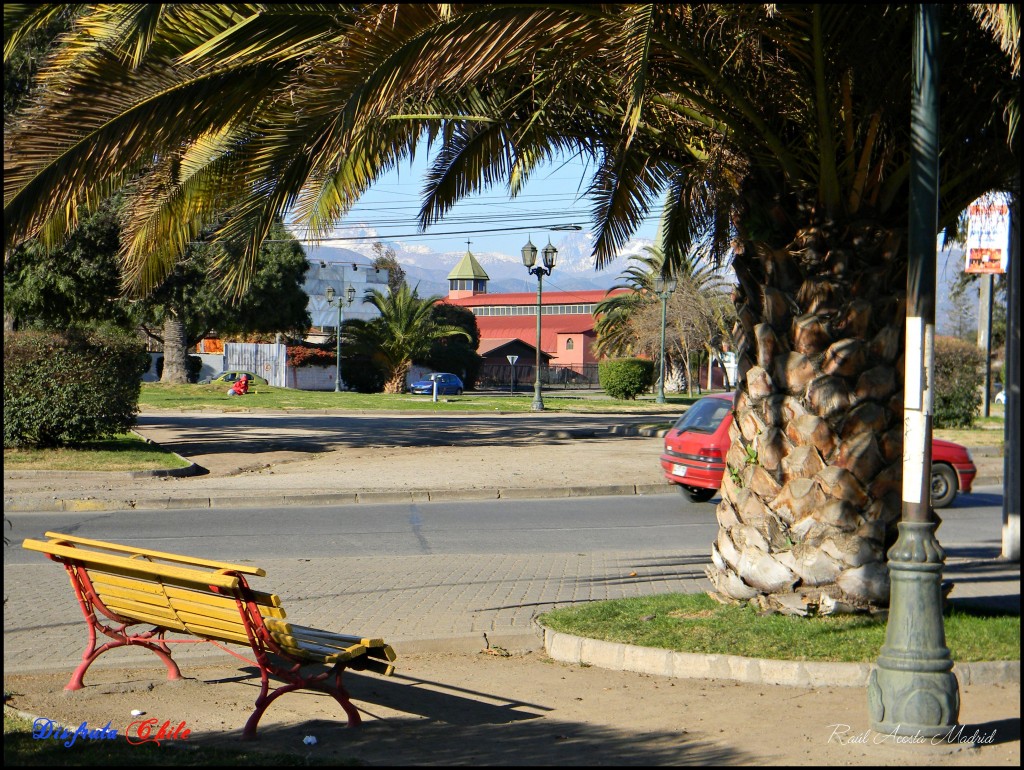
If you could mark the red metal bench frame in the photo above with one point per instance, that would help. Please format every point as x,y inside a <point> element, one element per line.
<point>260,640</point>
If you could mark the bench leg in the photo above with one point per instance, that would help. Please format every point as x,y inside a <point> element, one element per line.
<point>264,700</point>
<point>91,654</point>
<point>88,602</point>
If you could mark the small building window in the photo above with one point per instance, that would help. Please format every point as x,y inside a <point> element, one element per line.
<point>569,344</point>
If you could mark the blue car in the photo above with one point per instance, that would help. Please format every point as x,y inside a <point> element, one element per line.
<point>447,385</point>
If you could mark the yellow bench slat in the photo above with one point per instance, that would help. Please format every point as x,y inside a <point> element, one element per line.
<point>117,596</point>
<point>88,558</point>
<point>319,652</point>
<point>234,626</point>
<point>202,609</point>
<point>387,652</point>
<point>141,616</point>
<point>384,651</point>
<point>316,634</point>
<point>174,557</point>
<point>105,589</point>
<point>161,593</point>
<point>181,616</point>
<point>218,634</point>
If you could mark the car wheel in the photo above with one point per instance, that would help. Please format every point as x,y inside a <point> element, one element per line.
<point>458,391</point>
<point>944,486</point>
<point>698,494</point>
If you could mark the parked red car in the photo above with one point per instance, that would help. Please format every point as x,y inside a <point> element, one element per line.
<point>695,450</point>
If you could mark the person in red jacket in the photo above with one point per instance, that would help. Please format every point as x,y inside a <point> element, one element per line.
<point>241,386</point>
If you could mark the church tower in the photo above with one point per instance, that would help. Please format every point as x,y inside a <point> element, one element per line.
<point>468,278</point>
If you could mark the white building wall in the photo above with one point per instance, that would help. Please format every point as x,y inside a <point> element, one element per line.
<point>312,378</point>
<point>341,275</point>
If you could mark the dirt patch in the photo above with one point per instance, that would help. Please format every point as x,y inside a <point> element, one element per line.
<point>525,709</point>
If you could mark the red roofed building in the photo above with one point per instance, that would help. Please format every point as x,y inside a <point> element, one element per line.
<point>567,322</point>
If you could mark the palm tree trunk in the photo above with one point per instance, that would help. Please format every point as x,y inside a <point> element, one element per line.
<point>396,382</point>
<point>814,472</point>
<point>174,350</point>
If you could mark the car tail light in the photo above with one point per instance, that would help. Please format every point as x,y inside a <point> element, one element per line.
<point>710,454</point>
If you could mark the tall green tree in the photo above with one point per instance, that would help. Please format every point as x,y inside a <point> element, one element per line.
<point>776,134</point>
<point>384,258</point>
<point>402,334</point>
<point>456,353</point>
<point>190,302</point>
<point>79,284</point>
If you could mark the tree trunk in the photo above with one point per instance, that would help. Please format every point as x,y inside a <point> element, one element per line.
<point>396,382</point>
<point>689,372</point>
<point>175,371</point>
<point>812,490</point>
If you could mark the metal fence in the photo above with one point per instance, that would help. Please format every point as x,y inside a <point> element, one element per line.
<point>500,376</point>
<point>268,361</point>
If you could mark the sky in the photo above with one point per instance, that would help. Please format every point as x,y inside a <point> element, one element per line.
<point>490,220</point>
<point>493,222</point>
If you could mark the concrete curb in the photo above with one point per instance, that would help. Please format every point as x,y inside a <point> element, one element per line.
<point>370,497</point>
<point>22,505</point>
<point>791,673</point>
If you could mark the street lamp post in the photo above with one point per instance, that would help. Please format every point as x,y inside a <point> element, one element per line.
<point>550,254</point>
<point>664,288</point>
<point>350,296</point>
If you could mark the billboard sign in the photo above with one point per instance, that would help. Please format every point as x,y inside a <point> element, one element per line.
<point>988,236</point>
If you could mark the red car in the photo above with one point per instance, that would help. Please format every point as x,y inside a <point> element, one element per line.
<point>695,450</point>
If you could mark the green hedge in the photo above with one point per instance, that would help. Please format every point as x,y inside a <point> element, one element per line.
<point>65,389</point>
<point>625,377</point>
<point>959,376</point>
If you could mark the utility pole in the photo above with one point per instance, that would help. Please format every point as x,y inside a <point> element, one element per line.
<point>985,336</point>
<point>913,690</point>
<point>1011,384</point>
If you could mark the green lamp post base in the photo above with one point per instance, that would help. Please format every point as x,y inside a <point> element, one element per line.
<point>913,690</point>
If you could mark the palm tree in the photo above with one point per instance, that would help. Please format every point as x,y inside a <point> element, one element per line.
<point>629,324</point>
<point>776,134</point>
<point>616,333</point>
<point>401,335</point>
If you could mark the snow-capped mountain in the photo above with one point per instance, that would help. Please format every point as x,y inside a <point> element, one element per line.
<point>428,269</point>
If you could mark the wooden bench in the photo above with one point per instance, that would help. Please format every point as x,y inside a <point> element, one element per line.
<point>120,587</point>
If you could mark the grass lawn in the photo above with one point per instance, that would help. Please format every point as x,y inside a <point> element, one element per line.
<point>21,749</point>
<point>698,623</point>
<point>197,397</point>
<point>125,452</point>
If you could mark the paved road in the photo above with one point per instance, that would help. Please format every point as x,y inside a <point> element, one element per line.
<point>419,574</point>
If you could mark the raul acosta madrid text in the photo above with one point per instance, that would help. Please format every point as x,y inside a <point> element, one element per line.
<point>844,735</point>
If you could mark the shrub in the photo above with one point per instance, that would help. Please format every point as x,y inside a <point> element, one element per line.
<point>958,380</point>
<point>625,377</point>
<point>69,388</point>
<point>311,355</point>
